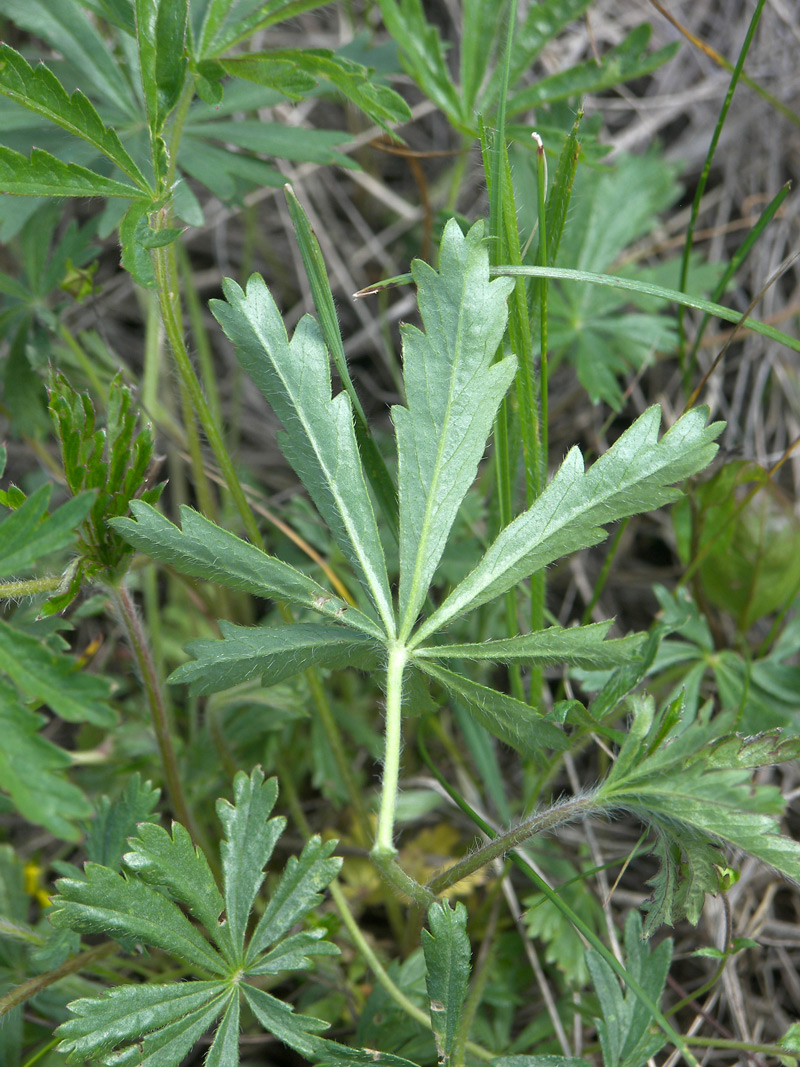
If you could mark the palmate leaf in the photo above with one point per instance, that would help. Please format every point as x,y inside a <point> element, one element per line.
<point>578,646</point>
<point>636,474</point>
<point>117,819</point>
<point>273,653</point>
<point>693,783</point>
<point>33,771</point>
<point>229,21</point>
<point>447,955</point>
<point>319,438</point>
<point>39,90</point>
<point>45,175</point>
<point>204,550</point>
<point>453,391</point>
<point>157,1025</point>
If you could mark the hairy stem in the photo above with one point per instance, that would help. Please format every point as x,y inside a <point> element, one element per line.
<point>384,839</point>
<point>539,823</point>
<point>29,587</point>
<point>42,981</point>
<point>126,610</point>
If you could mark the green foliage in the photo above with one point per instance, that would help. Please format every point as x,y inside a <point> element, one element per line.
<point>480,87</point>
<point>447,954</point>
<point>160,1023</point>
<point>692,782</point>
<point>626,1035</point>
<point>748,540</point>
<point>464,316</point>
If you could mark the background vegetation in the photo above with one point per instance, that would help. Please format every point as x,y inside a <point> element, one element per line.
<point>387,120</point>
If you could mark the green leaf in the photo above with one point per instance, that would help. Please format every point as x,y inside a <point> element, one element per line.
<point>160,33</point>
<point>333,1055</point>
<point>625,62</point>
<point>204,550</point>
<point>273,653</point>
<point>229,23</point>
<point>540,1061</point>
<point>296,1031</point>
<point>66,28</point>
<point>374,465</point>
<point>447,955</point>
<point>175,863</point>
<point>117,819</point>
<point>29,533</point>
<point>319,439</point>
<point>692,782</point>
<point>453,391</point>
<point>129,1012</point>
<point>635,475</point>
<point>157,1025</point>
<point>380,103</point>
<point>627,1036</point>
<point>579,646</point>
<point>297,893</point>
<point>423,55</point>
<point>132,912</point>
<point>52,678</point>
<point>44,175</point>
<point>511,720</point>
<point>33,771</point>
<point>250,837</point>
<point>40,91</point>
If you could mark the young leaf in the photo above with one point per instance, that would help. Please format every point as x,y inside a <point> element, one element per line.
<point>117,819</point>
<point>627,1036</point>
<point>453,391</point>
<point>273,652</point>
<point>53,679</point>
<point>206,551</point>
<point>319,439</point>
<point>44,175</point>
<point>693,784</point>
<point>447,955</point>
<point>512,721</point>
<point>635,475</point>
<point>380,103</point>
<point>160,33</point>
<point>40,91</point>
<point>33,771</point>
<point>579,646</point>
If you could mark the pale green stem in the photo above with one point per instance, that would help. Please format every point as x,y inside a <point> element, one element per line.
<point>384,839</point>
<point>42,981</point>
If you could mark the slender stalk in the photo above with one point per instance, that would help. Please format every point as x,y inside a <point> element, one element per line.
<point>701,185</point>
<point>126,610</point>
<point>36,984</point>
<point>384,839</point>
<point>539,823</point>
